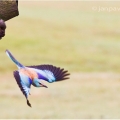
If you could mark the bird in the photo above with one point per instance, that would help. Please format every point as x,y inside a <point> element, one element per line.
<point>34,75</point>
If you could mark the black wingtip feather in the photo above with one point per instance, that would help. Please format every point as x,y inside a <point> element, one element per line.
<point>28,103</point>
<point>59,73</point>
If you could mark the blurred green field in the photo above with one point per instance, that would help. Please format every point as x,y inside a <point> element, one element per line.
<point>85,95</point>
<point>71,35</point>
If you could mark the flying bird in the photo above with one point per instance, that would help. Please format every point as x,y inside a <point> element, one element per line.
<point>26,76</point>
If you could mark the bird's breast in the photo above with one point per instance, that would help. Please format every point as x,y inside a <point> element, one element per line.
<point>31,73</point>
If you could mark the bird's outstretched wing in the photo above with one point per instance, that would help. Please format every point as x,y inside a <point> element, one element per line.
<point>24,88</point>
<point>53,72</point>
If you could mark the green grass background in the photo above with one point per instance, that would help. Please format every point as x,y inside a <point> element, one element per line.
<point>71,35</point>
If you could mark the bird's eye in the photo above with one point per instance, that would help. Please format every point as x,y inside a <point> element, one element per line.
<point>40,83</point>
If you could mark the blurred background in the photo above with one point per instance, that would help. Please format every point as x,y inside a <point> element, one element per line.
<point>83,38</point>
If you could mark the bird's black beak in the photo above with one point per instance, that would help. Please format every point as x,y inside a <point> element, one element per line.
<point>42,85</point>
<point>45,86</point>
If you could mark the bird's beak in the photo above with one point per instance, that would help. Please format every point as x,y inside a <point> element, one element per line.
<point>45,86</point>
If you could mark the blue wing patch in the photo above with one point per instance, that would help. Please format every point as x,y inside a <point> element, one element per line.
<point>53,73</point>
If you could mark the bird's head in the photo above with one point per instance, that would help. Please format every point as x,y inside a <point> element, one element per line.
<point>38,83</point>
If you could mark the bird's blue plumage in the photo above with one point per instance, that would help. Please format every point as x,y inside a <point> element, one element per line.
<point>45,75</point>
<point>25,88</point>
<point>25,79</point>
<point>33,75</point>
<point>50,73</point>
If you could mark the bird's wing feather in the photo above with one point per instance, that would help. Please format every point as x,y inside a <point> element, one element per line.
<point>25,89</point>
<point>58,73</point>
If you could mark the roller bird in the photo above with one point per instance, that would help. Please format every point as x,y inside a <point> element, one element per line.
<point>26,76</point>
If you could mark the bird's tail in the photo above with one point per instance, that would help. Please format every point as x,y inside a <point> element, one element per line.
<point>13,59</point>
